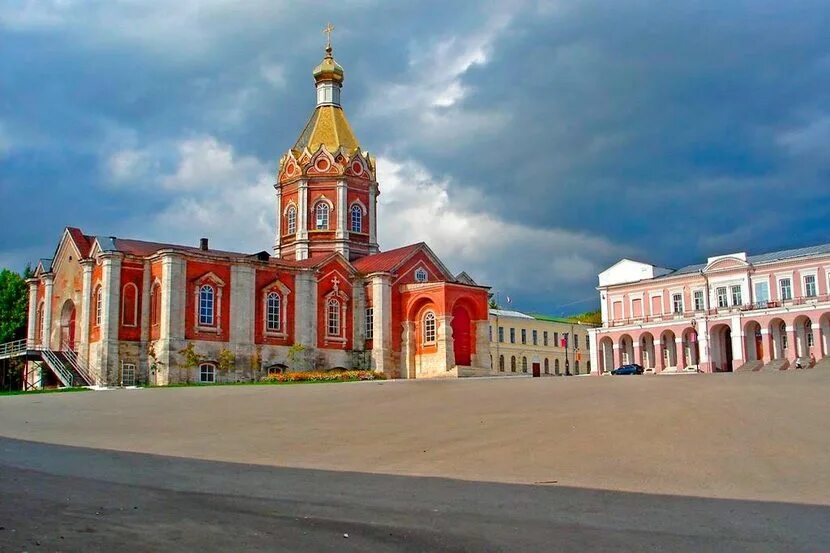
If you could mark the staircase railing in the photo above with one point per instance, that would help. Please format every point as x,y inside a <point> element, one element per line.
<point>79,366</point>
<point>58,367</point>
<point>11,349</point>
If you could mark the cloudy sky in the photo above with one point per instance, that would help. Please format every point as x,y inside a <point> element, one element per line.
<point>529,143</point>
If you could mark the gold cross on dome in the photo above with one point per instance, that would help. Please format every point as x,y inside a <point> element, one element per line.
<point>328,30</point>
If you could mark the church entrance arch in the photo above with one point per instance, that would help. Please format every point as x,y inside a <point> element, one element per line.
<point>461,335</point>
<point>68,326</point>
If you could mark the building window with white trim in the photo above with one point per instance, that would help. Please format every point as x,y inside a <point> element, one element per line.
<point>535,337</point>
<point>761,294</point>
<point>512,335</point>
<point>207,303</point>
<point>370,323</point>
<point>421,275</point>
<point>698,299</point>
<point>677,303</point>
<point>99,303</point>
<point>128,374</point>
<point>207,373</point>
<point>524,364</point>
<point>291,219</point>
<point>784,341</point>
<point>736,295</point>
<point>333,318</point>
<point>429,328</point>
<point>547,366</point>
<point>544,337</point>
<point>524,336</point>
<point>512,363</point>
<point>723,299</point>
<point>501,334</point>
<point>321,216</point>
<point>808,331</point>
<point>810,286</point>
<point>357,218</point>
<point>273,312</point>
<point>786,287</point>
<point>501,363</point>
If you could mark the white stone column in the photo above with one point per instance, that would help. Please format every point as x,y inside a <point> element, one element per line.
<point>243,307</point>
<point>305,309</point>
<point>382,323</point>
<point>46,331</point>
<point>278,220</point>
<point>445,342</point>
<point>481,358</point>
<point>408,350</point>
<point>301,242</point>
<point>171,318</point>
<point>594,352</point>
<point>738,345</point>
<point>341,233</point>
<point>86,305</point>
<point>373,220</point>
<point>110,319</point>
<point>31,328</point>
<point>703,350</point>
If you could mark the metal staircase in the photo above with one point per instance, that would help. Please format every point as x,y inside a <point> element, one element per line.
<point>66,365</point>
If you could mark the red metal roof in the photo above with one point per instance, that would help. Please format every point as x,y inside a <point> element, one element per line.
<point>385,261</point>
<point>82,242</point>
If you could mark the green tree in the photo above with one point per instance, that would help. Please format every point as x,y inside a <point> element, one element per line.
<point>14,303</point>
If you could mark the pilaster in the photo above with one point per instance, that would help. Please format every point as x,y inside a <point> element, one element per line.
<point>144,321</point>
<point>171,317</point>
<point>110,304</point>
<point>278,219</point>
<point>243,307</point>
<point>373,219</point>
<point>359,314</point>
<point>46,332</point>
<point>382,323</point>
<point>31,328</point>
<point>301,241</point>
<point>87,266</point>
<point>305,309</point>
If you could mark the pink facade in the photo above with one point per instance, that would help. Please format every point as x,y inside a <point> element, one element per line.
<point>735,312</point>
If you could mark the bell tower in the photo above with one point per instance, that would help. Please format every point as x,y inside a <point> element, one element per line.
<point>326,187</point>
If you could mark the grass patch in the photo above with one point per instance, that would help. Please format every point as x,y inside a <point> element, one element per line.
<point>281,379</point>
<point>41,391</point>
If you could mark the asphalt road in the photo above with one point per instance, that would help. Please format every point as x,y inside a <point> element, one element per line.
<point>58,498</point>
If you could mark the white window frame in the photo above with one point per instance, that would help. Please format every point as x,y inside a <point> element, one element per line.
<point>356,216</point>
<point>370,323</point>
<point>804,276</point>
<point>207,369</point>
<point>125,368</point>
<point>534,337</point>
<point>430,328</point>
<point>322,215</point>
<point>760,282</point>
<point>273,313</point>
<point>545,338</point>
<point>99,305</point>
<point>699,292</point>
<point>523,333</point>
<point>675,304</point>
<point>206,313</point>
<point>733,297</point>
<point>291,219</point>
<point>780,280</point>
<point>725,297</point>
<point>334,321</point>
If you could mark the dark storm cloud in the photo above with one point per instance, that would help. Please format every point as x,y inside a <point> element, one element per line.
<point>675,129</point>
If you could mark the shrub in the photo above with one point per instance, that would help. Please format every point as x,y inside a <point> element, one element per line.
<point>323,376</point>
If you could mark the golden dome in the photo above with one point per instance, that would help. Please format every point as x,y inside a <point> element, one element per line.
<point>328,127</point>
<point>328,70</point>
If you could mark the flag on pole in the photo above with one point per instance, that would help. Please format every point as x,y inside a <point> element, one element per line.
<point>564,340</point>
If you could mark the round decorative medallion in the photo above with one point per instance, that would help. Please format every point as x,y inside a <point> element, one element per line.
<point>322,165</point>
<point>357,168</point>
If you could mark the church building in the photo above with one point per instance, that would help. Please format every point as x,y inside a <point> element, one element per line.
<point>111,311</point>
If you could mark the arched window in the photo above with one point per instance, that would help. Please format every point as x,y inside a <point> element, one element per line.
<point>291,219</point>
<point>524,364</point>
<point>512,363</point>
<point>206,305</point>
<point>429,328</point>
<point>333,318</point>
<point>556,366</point>
<point>501,363</point>
<point>321,215</point>
<point>129,305</point>
<point>155,304</point>
<point>357,218</point>
<point>99,306</point>
<point>207,372</point>
<point>547,366</point>
<point>272,312</point>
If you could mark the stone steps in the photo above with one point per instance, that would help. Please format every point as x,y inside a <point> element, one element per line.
<point>777,365</point>
<point>750,366</point>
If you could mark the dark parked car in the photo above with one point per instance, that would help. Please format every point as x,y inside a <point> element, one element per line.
<point>633,368</point>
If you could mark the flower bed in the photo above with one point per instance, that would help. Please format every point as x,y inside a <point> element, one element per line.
<point>323,376</point>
